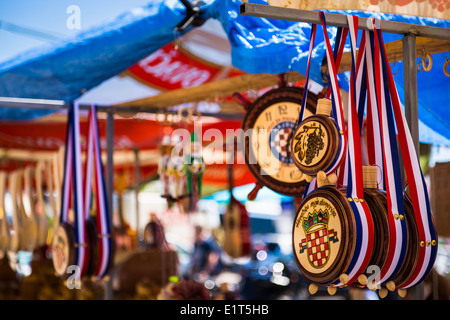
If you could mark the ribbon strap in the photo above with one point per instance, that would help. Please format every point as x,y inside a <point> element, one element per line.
<point>72,174</point>
<point>94,166</point>
<point>417,185</point>
<point>383,121</point>
<point>337,102</point>
<point>355,192</point>
<point>337,55</point>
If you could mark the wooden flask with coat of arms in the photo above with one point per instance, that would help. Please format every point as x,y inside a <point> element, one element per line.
<point>323,235</point>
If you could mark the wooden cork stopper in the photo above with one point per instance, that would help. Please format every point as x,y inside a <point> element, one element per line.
<point>370,177</point>
<point>313,288</point>
<point>344,278</point>
<point>362,279</point>
<point>324,107</point>
<point>383,293</point>
<point>402,292</point>
<point>390,286</point>
<point>324,180</point>
<point>331,290</point>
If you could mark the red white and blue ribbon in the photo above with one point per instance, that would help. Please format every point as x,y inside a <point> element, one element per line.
<point>416,182</point>
<point>73,175</point>
<point>355,192</point>
<point>391,166</point>
<point>104,225</point>
<point>306,87</point>
<point>311,185</point>
<point>338,112</point>
<point>374,144</point>
<point>337,55</point>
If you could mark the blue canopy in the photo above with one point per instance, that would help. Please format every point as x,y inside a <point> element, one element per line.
<point>68,68</point>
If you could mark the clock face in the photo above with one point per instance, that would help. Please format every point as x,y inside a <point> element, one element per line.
<point>267,126</point>
<point>269,141</point>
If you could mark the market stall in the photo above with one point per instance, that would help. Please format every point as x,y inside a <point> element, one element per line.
<point>133,149</point>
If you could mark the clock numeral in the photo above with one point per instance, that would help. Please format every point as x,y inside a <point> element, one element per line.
<point>282,109</point>
<point>268,116</point>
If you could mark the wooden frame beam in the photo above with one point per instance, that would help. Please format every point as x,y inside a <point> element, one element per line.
<point>210,91</point>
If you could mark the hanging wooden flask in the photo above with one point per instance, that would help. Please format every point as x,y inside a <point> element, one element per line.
<point>412,252</point>
<point>377,202</point>
<point>325,232</point>
<point>315,142</point>
<point>324,235</point>
<point>63,249</point>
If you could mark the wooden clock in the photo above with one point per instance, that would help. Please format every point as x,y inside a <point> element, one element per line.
<point>267,127</point>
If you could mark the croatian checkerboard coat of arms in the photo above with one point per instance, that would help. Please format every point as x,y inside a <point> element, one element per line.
<point>316,236</point>
<point>317,239</point>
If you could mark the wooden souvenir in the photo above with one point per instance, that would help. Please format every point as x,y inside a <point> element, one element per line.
<point>4,227</point>
<point>125,236</point>
<point>194,171</point>
<point>412,251</point>
<point>63,248</point>
<point>237,242</point>
<point>272,118</point>
<point>54,181</point>
<point>165,149</point>
<point>377,202</point>
<point>42,219</point>
<point>237,230</point>
<point>15,243</point>
<point>315,142</point>
<point>323,235</point>
<point>27,212</point>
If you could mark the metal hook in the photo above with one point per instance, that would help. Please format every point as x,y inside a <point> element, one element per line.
<point>423,64</point>
<point>446,63</point>
<point>393,65</point>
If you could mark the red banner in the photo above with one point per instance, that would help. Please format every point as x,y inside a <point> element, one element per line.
<point>172,68</point>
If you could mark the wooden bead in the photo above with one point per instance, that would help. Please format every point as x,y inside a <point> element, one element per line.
<point>402,292</point>
<point>331,290</point>
<point>390,286</point>
<point>382,293</point>
<point>308,178</point>
<point>362,279</point>
<point>321,176</point>
<point>344,278</point>
<point>332,178</point>
<point>313,288</point>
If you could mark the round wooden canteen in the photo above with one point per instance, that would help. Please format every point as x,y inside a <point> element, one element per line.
<point>315,142</point>
<point>377,202</point>
<point>323,238</point>
<point>413,248</point>
<point>63,248</point>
